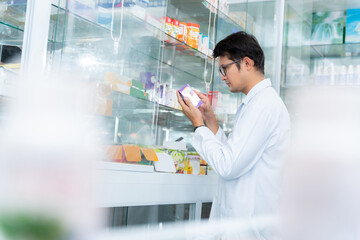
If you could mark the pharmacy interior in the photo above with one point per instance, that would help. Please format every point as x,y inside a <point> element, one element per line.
<point>135,54</point>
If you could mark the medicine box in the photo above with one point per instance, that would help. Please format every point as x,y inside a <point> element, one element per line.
<point>188,92</point>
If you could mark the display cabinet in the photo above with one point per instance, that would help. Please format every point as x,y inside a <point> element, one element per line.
<point>136,54</point>
<point>321,45</point>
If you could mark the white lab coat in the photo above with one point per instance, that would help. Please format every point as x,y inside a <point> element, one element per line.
<point>248,162</point>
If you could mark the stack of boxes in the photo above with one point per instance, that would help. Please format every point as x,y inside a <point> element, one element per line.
<point>189,33</point>
<point>125,85</point>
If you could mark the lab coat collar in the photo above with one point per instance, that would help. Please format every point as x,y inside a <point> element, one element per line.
<point>257,88</point>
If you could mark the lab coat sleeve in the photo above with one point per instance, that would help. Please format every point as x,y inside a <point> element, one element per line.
<point>220,135</point>
<point>239,154</point>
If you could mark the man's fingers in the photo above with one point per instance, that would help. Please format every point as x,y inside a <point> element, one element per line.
<point>200,95</point>
<point>188,103</point>
<point>180,100</point>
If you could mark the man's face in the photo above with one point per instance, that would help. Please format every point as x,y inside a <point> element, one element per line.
<point>234,78</point>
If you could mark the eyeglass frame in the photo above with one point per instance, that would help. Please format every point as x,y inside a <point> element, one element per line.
<point>223,68</point>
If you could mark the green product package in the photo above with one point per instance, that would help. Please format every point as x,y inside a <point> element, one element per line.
<point>180,160</point>
<point>137,89</point>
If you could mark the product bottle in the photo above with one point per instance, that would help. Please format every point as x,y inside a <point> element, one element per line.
<point>342,76</point>
<point>350,75</point>
<point>332,74</point>
<point>357,75</point>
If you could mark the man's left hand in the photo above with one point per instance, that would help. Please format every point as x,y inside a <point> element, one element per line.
<point>192,112</point>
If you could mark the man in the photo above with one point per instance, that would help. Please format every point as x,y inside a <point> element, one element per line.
<point>247,162</point>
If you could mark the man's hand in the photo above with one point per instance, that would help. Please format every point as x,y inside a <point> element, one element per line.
<point>208,113</point>
<point>192,112</point>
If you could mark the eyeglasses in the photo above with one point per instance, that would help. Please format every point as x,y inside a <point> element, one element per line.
<point>222,68</point>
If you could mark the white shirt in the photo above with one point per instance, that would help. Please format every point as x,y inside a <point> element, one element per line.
<point>248,162</point>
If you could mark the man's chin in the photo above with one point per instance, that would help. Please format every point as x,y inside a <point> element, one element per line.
<point>233,90</point>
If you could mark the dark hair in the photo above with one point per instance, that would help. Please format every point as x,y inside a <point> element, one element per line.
<point>239,45</point>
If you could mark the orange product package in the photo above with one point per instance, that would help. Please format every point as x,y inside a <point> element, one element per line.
<point>168,25</point>
<point>182,32</point>
<point>114,152</point>
<point>193,31</point>
<point>176,27</point>
<point>132,153</point>
<point>149,154</point>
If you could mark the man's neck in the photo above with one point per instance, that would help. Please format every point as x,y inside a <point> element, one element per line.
<point>253,81</point>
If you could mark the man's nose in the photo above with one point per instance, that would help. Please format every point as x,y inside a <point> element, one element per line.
<point>223,77</point>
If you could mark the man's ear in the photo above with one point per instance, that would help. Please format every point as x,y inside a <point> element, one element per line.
<point>249,63</point>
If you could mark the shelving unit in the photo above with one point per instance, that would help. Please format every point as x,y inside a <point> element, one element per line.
<point>222,15</point>
<point>81,42</point>
<point>327,50</point>
<point>125,188</point>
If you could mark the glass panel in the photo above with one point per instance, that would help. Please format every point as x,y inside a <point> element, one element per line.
<point>321,45</point>
<point>261,23</point>
<point>257,18</point>
<point>187,62</point>
<point>147,215</point>
<point>205,210</point>
<point>116,46</point>
<point>12,18</point>
<point>225,103</point>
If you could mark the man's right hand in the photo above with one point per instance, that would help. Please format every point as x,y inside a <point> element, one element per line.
<point>208,113</point>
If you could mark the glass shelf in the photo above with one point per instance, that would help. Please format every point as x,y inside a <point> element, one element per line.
<point>136,115</point>
<point>326,50</point>
<point>10,35</point>
<point>131,106</point>
<point>198,11</point>
<point>222,15</point>
<point>183,48</point>
<point>133,22</point>
<point>148,41</point>
<point>13,15</point>
<point>184,58</point>
<point>83,34</point>
<point>12,25</point>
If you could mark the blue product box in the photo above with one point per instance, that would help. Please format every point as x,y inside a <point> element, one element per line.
<point>352,34</point>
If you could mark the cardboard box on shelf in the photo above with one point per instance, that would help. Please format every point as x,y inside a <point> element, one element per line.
<point>137,89</point>
<point>149,154</point>
<point>194,164</point>
<point>125,85</point>
<point>116,84</point>
<point>148,78</point>
<point>168,25</point>
<point>100,102</point>
<point>131,153</point>
<point>171,99</point>
<point>165,163</point>
<point>203,162</point>
<point>180,160</point>
<point>114,152</point>
<point>103,106</point>
<point>203,170</point>
<point>322,22</point>
<point>352,33</point>
<point>182,34</point>
<point>176,28</point>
